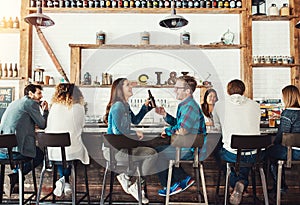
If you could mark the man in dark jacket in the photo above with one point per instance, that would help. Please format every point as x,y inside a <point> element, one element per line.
<point>21,117</point>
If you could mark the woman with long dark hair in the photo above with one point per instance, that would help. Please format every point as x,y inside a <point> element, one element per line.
<point>209,100</point>
<point>119,117</point>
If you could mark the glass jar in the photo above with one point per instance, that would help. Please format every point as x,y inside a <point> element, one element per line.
<point>273,10</point>
<point>284,10</point>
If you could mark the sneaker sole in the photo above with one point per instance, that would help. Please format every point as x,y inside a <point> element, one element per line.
<point>58,188</point>
<point>237,194</point>
<point>173,193</point>
<point>189,185</point>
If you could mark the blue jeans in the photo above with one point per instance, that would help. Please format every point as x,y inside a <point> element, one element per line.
<point>64,172</point>
<point>279,152</point>
<point>166,153</point>
<point>39,157</point>
<point>244,171</point>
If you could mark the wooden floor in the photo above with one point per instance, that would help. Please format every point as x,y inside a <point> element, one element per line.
<point>95,173</point>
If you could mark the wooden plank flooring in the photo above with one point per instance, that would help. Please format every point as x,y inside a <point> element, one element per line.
<point>95,173</point>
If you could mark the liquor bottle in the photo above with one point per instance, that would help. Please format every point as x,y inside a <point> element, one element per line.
<point>131,4</point>
<point>44,3</point>
<point>196,4</point>
<point>202,4</point>
<point>56,3</point>
<point>10,23</point>
<point>50,4</point>
<point>86,4</point>
<point>238,4</point>
<point>91,4</point>
<point>97,4</point>
<point>16,23</point>
<point>120,4</point>
<point>184,4</point>
<point>214,4</point>
<point>232,4</point>
<point>144,4</point>
<point>149,4</point>
<point>126,4</point>
<point>108,4</point>
<point>68,4</point>
<point>226,4</point>
<point>155,3</point>
<point>178,4</point>
<point>220,4</point>
<point>33,3</point>
<point>5,71</point>
<point>161,4</point>
<point>3,23</point>
<point>167,4</point>
<point>0,70</point>
<point>191,4</point>
<point>79,4</point>
<point>15,72</point>
<point>208,4</point>
<point>137,4</point>
<point>10,71</point>
<point>152,100</point>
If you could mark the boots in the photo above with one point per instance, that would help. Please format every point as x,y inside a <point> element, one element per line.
<point>273,171</point>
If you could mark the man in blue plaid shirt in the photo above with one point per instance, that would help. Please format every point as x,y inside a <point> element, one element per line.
<point>189,120</point>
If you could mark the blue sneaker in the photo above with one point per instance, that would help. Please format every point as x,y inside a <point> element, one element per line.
<point>175,189</point>
<point>186,183</point>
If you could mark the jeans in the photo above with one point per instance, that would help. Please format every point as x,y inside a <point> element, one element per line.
<point>166,153</point>
<point>279,152</point>
<point>244,171</point>
<point>64,172</point>
<point>39,157</point>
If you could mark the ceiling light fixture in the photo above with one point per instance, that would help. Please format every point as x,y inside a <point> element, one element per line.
<point>40,20</point>
<point>173,22</point>
<point>298,25</point>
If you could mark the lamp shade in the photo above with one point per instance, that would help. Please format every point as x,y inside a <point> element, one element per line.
<point>173,21</point>
<point>298,25</point>
<point>39,19</point>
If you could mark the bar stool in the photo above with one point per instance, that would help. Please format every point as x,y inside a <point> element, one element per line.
<point>61,140</point>
<point>254,144</point>
<point>289,140</point>
<point>9,141</point>
<point>116,143</point>
<point>196,142</point>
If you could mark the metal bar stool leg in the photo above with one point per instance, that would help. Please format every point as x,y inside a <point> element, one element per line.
<point>40,185</point>
<point>171,163</point>
<point>228,170</point>
<point>280,164</point>
<point>264,185</point>
<point>21,186</point>
<point>102,200</point>
<point>139,185</point>
<point>73,174</point>
<point>2,181</point>
<point>203,184</point>
<point>197,174</point>
<point>87,191</point>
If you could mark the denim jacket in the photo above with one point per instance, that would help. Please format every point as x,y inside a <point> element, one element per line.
<point>289,123</point>
<point>121,116</point>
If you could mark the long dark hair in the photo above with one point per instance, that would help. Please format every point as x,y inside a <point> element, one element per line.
<point>116,94</point>
<point>204,106</point>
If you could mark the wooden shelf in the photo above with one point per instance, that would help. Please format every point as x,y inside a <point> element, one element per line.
<point>272,18</point>
<point>137,86</point>
<point>141,10</point>
<point>274,65</point>
<point>11,78</point>
<point>9,30</point>
<point>155,47</point>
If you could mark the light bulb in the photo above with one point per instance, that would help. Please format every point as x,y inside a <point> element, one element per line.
<point>173,22</point>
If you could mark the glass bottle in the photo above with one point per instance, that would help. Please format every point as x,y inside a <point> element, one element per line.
<point>191,4</point>
<point>184,4</point>
<point>5,70</point>
<point>56,3</point>
<point>226,4</point>
<point>126,4</point>
<point>220,4</point>
<point>33,3</point>
<point>238,4</point>
<point>214,4</point>
<point>91,4</point>
<point>16,23</point>
<point>196,4</point>
<point>232,4</point>
<point>202,4</point>
<point>131,4</point>
<point>149,4</point>
<point>108,4</point>
<point>273,10</point>
<point>10,71</point>
<point>208,4</point>
<point>155,3</point>
<point>15,72</point>
<point>284,10</point>
<point>137,4</point>
<point>167,4</point>
<point>0,70</point>
<point>10,23</point>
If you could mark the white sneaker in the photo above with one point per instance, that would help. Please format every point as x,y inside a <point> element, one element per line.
<point>133,190</point>
<point>68,189</point>
<point>124,181</point>
<point>59,186</point>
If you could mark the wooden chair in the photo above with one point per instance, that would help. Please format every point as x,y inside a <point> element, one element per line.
<point>254,144</point>
<point>116,143</point>
<point>9,141</point>
<point>188,141</point>
<point>61,140</point>
<point>289,140</point>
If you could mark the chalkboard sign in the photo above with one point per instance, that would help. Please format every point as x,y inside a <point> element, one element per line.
<point>6,97</point>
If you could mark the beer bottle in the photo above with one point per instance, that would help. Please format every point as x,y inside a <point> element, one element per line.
<point>5,71</point>
<point>0,70</point>
<point>10,23</point>
<point>10,71</point>
<point>15,72</point>
<point>152,100</point>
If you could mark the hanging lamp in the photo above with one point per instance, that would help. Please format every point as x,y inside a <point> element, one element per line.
<point>41,20</point>
<point>173,21</point>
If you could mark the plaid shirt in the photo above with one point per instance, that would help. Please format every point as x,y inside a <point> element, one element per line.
<point>189,116</point>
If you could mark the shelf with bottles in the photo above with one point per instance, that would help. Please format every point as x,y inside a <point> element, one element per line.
<point>142,10</point>
<point>273,18</point>
<point>9,30</point>
<point>155,47</point>
<point>136,86</point>
<point>274,65</point>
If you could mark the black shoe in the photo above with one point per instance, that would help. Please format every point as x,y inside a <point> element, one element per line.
<point>10,182</point>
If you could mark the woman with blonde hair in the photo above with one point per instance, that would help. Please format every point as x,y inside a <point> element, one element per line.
<point>67,115</point>
<point>289,123</point>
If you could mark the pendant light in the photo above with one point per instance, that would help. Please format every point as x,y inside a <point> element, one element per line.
<point>173,21</point>
<point>39,20</point>
<point>298,25</point>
